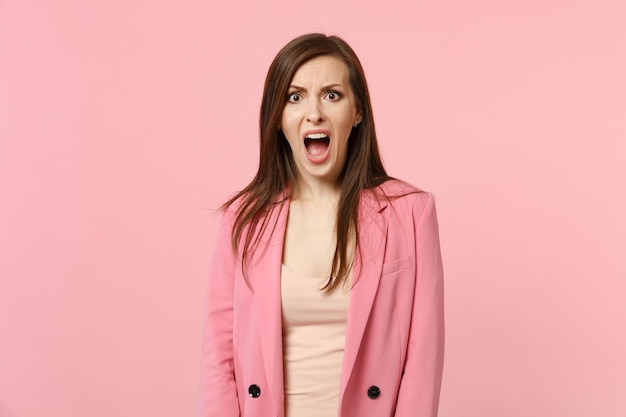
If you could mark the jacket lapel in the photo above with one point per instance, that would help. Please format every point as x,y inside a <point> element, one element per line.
<point>366,276</point>
<point>265,282</point>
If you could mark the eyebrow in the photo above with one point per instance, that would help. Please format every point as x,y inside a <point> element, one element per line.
<point>326,87</point>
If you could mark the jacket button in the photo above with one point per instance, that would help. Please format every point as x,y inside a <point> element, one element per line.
<point>373,392</point>
<point>254,390</point>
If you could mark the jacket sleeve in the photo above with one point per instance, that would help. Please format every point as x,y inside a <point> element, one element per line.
<point>218,393</point>
<point>418,395</point>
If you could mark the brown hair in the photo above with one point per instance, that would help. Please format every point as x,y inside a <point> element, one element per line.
<point>363,168</point>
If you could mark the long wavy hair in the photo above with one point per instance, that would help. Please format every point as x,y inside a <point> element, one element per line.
<point>363,169</point>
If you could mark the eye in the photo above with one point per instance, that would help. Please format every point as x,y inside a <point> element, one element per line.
<point>294,97</point>
<point>333,95</point>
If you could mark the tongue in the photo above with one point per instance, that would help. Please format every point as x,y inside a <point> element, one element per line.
<point>316,147</point>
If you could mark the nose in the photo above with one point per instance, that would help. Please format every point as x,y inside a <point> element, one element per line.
<point>314,112</point>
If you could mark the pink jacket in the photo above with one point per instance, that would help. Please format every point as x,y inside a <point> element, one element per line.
<point>393,357</point>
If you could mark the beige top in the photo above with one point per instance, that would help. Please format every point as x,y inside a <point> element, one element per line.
<point>314,329</point>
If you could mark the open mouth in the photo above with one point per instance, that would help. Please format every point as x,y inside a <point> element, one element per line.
<point>316,144</point>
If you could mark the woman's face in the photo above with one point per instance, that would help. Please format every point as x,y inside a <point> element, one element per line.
<point>318,118</point>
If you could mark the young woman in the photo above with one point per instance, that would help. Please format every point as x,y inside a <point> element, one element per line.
<point>325,292</point>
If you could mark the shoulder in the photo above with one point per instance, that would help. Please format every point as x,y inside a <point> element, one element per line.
<point>228,211</point>
<point>410,211</point>
<point>401,196</point>
<point>398,187</point>
<point>244,211</point>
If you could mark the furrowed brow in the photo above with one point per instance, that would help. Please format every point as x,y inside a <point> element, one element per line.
<point>327,87</point>
<point>296,87</point>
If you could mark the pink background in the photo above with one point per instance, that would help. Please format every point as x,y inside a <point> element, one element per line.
<point>123,124</point>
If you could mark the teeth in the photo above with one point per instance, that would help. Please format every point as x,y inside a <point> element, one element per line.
<point>316,136</point>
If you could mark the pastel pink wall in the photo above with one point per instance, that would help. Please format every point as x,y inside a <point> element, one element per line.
<point>124,123</point>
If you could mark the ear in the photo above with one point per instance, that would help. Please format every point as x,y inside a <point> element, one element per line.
<point>357,119</point>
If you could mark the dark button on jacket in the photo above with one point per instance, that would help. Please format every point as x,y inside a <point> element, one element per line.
<point>373,392</point>
<point>254,390</point>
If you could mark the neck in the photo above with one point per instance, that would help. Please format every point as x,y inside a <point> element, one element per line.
<point>315,191</point>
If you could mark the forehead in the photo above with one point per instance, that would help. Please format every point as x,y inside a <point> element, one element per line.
<point>322,70</point>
